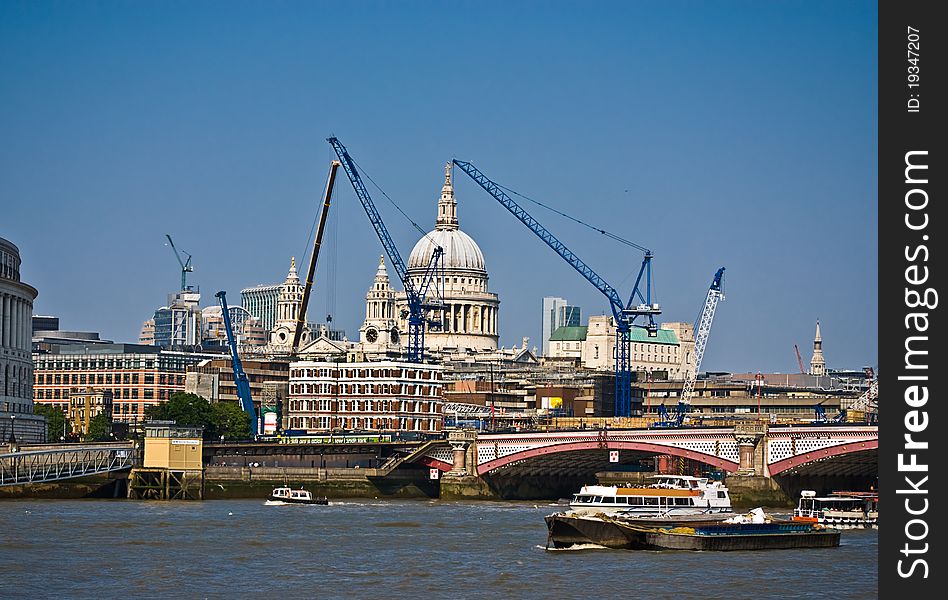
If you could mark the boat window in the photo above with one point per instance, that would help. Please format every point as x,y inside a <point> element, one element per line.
<point>622,500</point>
<point>722,494</point>
<point>597,499</point>
<point>608,500</point>
<point>650,501</point>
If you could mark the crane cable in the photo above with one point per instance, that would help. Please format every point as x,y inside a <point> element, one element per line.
<point>583,223</point>
<point>397,207</point>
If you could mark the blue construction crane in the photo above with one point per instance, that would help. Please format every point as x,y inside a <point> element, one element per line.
<point>418,305</point>
<point>822,418</point>
<point>667,420</point>
<point>240,378</point>
<point>185,265</point>
<point>639,304</point>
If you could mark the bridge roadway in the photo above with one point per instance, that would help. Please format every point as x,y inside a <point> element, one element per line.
<point>38,464</point>
<point>749,448</point>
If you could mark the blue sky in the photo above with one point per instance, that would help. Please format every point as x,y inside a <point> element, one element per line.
<point>737,134</point>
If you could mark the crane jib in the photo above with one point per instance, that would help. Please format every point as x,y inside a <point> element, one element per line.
<point>415,297</point>
<point>559,247</point>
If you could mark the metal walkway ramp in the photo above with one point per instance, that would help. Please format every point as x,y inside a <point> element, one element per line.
<point>52,463</point>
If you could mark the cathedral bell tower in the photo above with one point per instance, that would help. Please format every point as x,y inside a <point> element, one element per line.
<point>288,308</point>
<point>380,328</point>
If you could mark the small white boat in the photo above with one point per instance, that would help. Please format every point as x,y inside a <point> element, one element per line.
<point>669,496</point>
<point>286,495</point>
<point>839,509</point>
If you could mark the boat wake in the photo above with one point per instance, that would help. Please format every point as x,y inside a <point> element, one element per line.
<point>574,547</point>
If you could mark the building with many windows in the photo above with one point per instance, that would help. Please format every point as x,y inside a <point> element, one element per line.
<point>85,404</point>
<point>16,368</point>
<point>137,376</point>
<point>213,380</point>
<point>178,326</point>
<point>593,346</point>
<point>261,302</point>
<point>557,313</point>
<point>366,396</point>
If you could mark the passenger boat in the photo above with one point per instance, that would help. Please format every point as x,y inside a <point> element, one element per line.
<point>286,495</point>
<point>669,496</point>
<point>566,530</point>
<point>840,509</point>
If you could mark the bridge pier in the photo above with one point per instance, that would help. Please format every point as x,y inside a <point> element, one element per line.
<point>463,444</point>
<point>751,441</point>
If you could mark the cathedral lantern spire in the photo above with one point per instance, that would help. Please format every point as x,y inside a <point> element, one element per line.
<point>447,205</point>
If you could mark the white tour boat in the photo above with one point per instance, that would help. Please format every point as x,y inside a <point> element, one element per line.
<point>668,496</point>
<point>846,509</point>
<point>285,495</point>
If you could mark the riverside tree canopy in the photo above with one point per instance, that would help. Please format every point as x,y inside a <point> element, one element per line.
<point>218,419</point>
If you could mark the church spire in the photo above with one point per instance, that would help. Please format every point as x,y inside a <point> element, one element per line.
<point>817,363</point>
<point>447,205</point>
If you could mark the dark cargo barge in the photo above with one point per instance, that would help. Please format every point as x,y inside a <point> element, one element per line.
<point>569,530</point>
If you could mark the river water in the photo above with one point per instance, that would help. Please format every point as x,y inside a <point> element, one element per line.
<point>378,549</point>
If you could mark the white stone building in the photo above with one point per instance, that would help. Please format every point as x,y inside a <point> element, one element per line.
<point>593,345</point>
<point>16,365</point>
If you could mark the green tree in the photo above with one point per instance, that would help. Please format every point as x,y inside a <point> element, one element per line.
<point>230,421</point>
<point>182,408</point>
<point>56,422</point>
<point>100,428</point>
<point>217,419</point>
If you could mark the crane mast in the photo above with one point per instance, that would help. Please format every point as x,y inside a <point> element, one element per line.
<point>701,333</point>
<point>799,360</point>
<point>639,304</point>
<point>185,265</point>
<point>301,316</point>
<point>417,304</point>
<point>240,378</point>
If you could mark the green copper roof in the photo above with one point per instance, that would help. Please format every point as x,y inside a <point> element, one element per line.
<point>639,335</point>
<point>569,334</point>
<point>665,336</point>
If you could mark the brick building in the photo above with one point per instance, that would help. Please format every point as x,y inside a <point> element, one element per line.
<point>373,396</point>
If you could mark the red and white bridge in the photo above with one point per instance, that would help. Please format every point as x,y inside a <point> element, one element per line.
<point>765,450</point>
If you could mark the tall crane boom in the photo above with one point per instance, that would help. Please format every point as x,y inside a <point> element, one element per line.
<point>301,316</point>
<point>799,360</point>
<point>702,331</point>
<point>185,265</point>
<point>240,378</point>
<point>625,314</point>
<point>417,303</point>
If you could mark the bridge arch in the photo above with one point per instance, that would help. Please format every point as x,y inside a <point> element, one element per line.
<point>715,461</point>
<point>821,454</point>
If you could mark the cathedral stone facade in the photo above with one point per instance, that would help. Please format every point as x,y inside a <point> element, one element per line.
<point>469,320</point>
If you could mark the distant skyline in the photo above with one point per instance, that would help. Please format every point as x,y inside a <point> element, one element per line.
<point>736,134</point>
